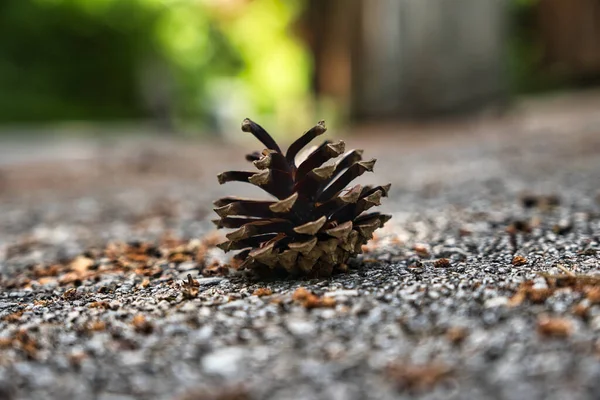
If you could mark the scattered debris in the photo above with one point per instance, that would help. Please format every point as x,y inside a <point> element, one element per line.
<point>565,270</point>
<point>310,300</point>
<point>426,314</point>
<point>442,263</point>
<point>71,294</point>
<point>587,252</point>
<point>14,317</point>
<point>216,269</point>
<point>189,288</point>
<point>98,304</point>
<point>418,378</point>
<point>544,202</point>
<point>145,259</point>
<point>457,334</point>
<point>142,325</point>
<point>517,261</point>
<point>232,393</point>
<point>24,342</point>
<point>76,358</point>
<point>574,281</point>
<point>422,250</point>
<point>586,284</point>
<point>554,327</point>
<point>581,309</point>
<point>519,226</point>
<point>526,291</point>
<point>464,231</point>
<point>260,292</point>
<point>95,326</point>
<point>529,200</point>
<point>593,294</point>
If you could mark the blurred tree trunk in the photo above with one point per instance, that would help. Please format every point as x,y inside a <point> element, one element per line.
<point>395,58</point>
<point>570,36</point>
<point>430,57</point>
<point>331,31</point>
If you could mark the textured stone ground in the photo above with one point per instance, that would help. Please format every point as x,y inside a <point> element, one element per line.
<point>472,291</point>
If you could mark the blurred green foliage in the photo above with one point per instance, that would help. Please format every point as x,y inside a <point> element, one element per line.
<point>527,65</point>
<point>525,52</point>
<point>200,61</point>
<point>60,59</point>
<point>122,59</point>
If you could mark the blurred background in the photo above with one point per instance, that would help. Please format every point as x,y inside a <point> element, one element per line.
<point>200,66</point>
<point>102,92</point>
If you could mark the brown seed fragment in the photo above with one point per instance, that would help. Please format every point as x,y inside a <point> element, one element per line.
<point>417,377</point>
<point>442,263</point>
<point>142,325</point>
<point>310,300</point>
<point>593,295</point>
<point>71,294</point>
<point>81,264</point>
<point>519,226</point>
<point>456,334</point>
<point>421,250</point>
<point>189,288</point>
<point>6,342</point>
<point>14,317</point>
<point>301,294</point>
<point>98,304</point>
<point>464,231</point>
<point>26,344</point>
<point>52,270</point>
<point>216,269</point>
<point>518,261</point>
<point>572,280</point>
<point>260,292</point>
<point>221,393</point>
<point>178,257</point>
<point>526,291</point>
<point>581,310</point>
<point>539,296</point>
<point>327,302</point>
<point>76,358</point>
<point>96,326</point>
<point>517,299</point>
<point>554,327</point>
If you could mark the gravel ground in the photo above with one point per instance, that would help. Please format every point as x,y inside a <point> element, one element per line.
<point>485,284</point>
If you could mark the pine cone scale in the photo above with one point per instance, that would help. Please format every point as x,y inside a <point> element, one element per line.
<point>356,170</point>
<point>311,228</point>
<point>321,155</point>
<point>305,139</point>
<point>285,205</point>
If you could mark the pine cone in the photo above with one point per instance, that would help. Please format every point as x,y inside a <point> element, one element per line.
<point>315,225</point>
